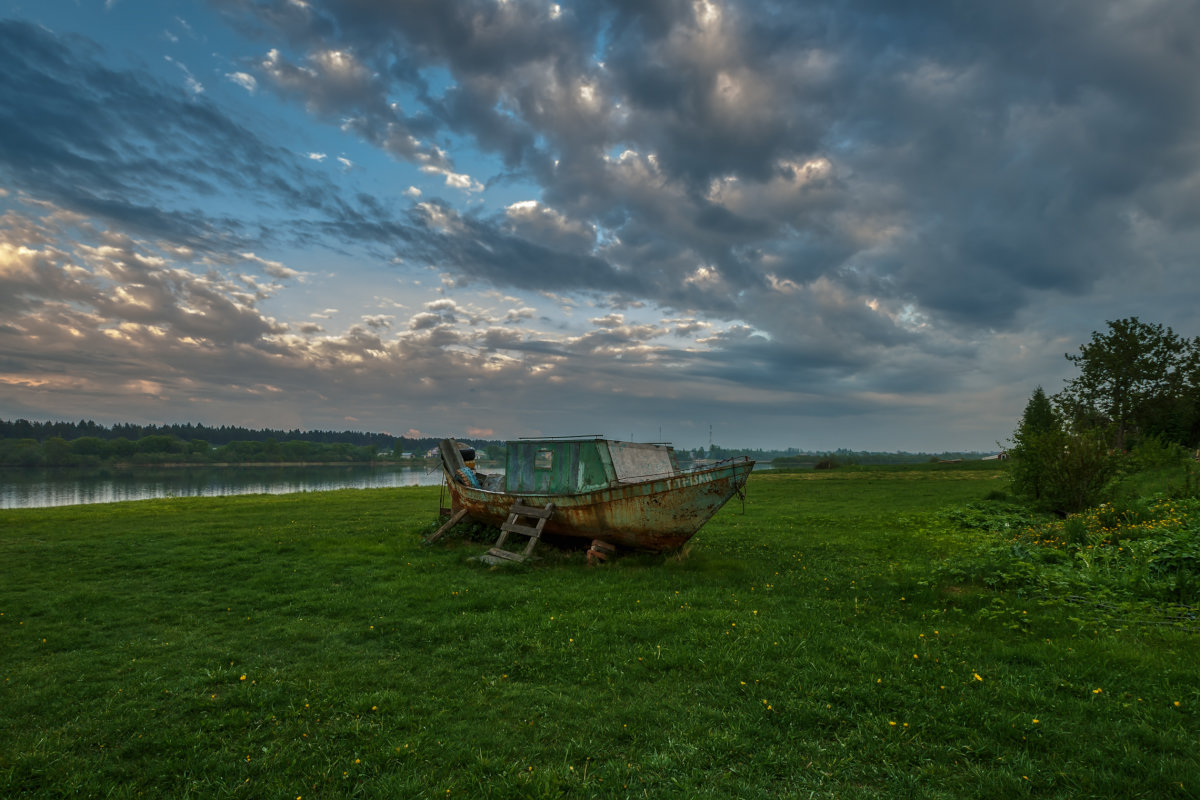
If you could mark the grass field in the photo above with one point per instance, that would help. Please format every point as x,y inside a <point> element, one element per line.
<point>309,646</point>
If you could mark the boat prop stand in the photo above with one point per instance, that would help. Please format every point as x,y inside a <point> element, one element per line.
<point>450,523</point>
<point>498,555</point>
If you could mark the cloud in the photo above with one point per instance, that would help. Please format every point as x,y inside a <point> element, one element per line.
<point>107,315</point>
<point>518,314</point>
<point>700,146</point>
<point>194,86</point>
<point>330,84</point>
<point>912,154</point>
<point>455,180</point>
<point>245,80</point>
<point>536,222</point>
<point>273,268</point>
<point>378,321</point>
<point>336,85</point>
<point>113,296</point>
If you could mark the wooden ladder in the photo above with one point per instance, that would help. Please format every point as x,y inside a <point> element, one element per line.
<point>498,555</point>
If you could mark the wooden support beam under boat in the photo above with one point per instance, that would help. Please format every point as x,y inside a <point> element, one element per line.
<point>458,517</point>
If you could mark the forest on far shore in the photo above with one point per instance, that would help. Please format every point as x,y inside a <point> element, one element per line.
<point>86,444</point>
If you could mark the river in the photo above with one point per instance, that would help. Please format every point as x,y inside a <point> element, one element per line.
<point>41,488</point>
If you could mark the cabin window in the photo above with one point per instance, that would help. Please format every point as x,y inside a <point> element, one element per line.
<point>544,459</point>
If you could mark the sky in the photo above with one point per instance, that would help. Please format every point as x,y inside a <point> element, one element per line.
<point>834,224</point>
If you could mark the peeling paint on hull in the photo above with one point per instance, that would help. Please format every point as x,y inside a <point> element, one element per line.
<point>654,515</point>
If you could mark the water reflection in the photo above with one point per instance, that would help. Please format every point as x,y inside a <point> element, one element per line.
<point>23,488</point>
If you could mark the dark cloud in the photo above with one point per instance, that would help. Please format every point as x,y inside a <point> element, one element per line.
<point>480,248</point>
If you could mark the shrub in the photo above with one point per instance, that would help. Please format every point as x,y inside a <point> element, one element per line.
<point>1060,471</point>
<point>1147,550</point>
<point>1155,453</point>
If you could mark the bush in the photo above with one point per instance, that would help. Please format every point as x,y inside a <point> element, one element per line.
<point>21,453</point>
<point>1176,561</point>
<point>1062,472</point>
<point>1156,453</point>
<point>57,452</point>
<point>1143,551</point>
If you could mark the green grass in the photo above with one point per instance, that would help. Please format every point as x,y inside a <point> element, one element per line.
<point>310,646</point>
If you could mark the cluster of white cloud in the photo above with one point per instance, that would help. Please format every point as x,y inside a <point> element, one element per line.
<point>115,312</point>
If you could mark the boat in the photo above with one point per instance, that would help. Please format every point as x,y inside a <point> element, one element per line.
<point>629,495</point>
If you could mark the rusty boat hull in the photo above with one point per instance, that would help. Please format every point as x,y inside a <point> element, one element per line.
<point>651,515</point>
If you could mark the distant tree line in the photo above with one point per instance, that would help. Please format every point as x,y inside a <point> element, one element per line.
<point>1135,402</point>
<point>832,459</point>
<point>26,429</point>
<point>25,443</point>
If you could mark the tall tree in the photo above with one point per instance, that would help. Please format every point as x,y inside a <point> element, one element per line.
<point>1034,446</point>
<point>1039,416</point>
<point>1123,373</point>
<point>1174,414</point>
